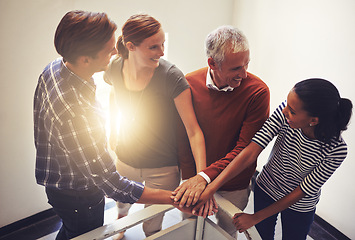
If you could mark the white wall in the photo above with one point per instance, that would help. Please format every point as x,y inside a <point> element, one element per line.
<point>290,41</point>
<point>294,40</point>
<point>26,46</point>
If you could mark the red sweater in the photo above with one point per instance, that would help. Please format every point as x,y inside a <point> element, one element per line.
<point>228,120</point>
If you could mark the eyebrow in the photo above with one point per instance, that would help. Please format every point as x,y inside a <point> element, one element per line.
<point>291,108</point>
<point>238,67</point>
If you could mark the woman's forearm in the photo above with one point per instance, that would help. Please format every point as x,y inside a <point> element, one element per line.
<point>244,159</point>
<point>185,109</point>
<point>197,143</point>
<point>280,205</point>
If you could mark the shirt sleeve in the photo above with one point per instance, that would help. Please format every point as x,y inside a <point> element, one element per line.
<point>177,81</point>
<point>83,138</point>
<point>270,128</point>
<point>313,182</point>
<point>257,114</point>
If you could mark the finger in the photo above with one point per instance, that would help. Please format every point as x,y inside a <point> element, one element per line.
<point>235,222</point>
<point>210,208</point>
<point>190,198</point>
<point>197,208</point>
<point>206,209</point>
<point>184,198</point>
<point>215,205</point>
<point>196,197</point>
<point>201,211</point>
<point>178,188</point>
<point>237,215</point>
<point>179,193</point>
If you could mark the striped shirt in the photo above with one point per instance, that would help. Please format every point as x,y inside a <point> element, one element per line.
<point>296,160</point>
<point>70,140</point>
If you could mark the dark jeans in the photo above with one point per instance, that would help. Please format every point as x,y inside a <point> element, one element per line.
<point>80,211</point>
<point>295,225</point>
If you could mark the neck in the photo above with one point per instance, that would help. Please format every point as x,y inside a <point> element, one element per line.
<point>215,80</point>
<point>309,132</point>
<point>80,72</point>
<point>136,78</point>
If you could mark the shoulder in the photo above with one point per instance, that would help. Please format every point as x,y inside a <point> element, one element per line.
<point>168,70</point>
<point>53,68</point>
<point>198,73</point>
<point>166,67</point>
<point>197,76</point>
<point>255,81</point>
<point>114,70</point>
<point>337,146</point>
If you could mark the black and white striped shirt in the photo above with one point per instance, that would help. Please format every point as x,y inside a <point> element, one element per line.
<point>296,160</point>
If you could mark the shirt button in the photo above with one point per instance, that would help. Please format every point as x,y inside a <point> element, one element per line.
<point>76,210</point>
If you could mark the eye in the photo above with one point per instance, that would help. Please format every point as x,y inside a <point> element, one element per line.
<point>236,69</point>
<point>153,47</point>
<point>291,111</point>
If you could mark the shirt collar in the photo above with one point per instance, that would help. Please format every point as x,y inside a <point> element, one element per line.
<point>210,84</point>
<point>85,86</point>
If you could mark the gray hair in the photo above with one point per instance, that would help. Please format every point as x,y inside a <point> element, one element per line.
<point>225,39</point>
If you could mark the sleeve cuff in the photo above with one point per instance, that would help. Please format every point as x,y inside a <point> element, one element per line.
<point>204,175</point>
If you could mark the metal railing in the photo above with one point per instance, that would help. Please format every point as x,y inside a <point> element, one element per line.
<point>192,228</point>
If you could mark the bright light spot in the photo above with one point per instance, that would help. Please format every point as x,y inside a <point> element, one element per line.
<point>103,97</point>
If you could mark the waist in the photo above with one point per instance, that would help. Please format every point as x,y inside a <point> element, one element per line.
<point>76,193</point>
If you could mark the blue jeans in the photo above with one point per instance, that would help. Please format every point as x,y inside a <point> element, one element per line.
<point>295,225</point>
<point>80,211</point>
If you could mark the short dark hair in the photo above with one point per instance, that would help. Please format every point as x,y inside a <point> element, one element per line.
<point>82,33</point>
<point>321,99</point>
<point>137,28</point>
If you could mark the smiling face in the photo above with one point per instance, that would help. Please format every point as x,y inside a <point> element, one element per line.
<point>148,53</point>
<point>231,71</point>
<point>297,117</point>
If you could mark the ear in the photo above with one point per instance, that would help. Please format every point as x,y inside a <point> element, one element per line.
<point>130,46</point>
<point>314,121</point>
<point>83,60</point>
<point>212,63</point>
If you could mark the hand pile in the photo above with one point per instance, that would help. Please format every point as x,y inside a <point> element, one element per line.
<point>193,196</point>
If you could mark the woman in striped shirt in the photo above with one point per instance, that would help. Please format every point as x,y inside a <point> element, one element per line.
<point>308,149</point>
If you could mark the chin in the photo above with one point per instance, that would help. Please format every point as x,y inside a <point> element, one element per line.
<point>155,65</point>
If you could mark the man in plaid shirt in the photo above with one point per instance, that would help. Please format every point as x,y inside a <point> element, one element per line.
<point>72,160</point>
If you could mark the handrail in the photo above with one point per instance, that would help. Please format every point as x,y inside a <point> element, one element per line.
<point>230,209</point>
<point>124,223</point>
<point>140,216</point>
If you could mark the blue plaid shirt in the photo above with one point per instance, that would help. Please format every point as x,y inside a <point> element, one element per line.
<point>70,140</point>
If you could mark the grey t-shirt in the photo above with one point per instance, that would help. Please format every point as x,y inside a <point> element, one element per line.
<point>148,118</point>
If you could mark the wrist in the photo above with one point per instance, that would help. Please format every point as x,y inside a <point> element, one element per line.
<point>205,177</point>
<point>258,216</point>
<point>212,188</point>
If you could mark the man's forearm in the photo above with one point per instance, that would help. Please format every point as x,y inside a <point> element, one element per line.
<point>155,196</point>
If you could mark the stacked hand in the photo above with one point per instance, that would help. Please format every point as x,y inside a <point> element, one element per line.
<point>191,194</point>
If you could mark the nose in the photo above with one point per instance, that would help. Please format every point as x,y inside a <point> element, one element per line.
<point>284,111</point>
<point>161,51</point>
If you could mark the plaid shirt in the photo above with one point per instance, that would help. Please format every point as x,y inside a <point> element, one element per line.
<point>70,140</point>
